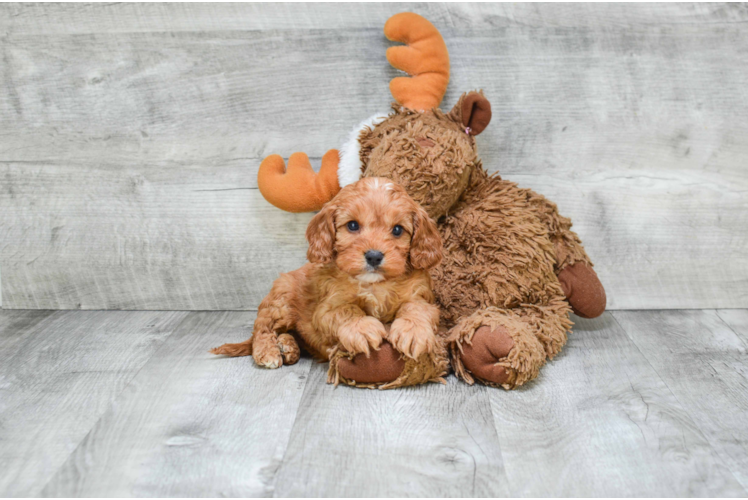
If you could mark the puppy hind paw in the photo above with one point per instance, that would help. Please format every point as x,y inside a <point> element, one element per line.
<point>267,353</point>
<point>289,349</point>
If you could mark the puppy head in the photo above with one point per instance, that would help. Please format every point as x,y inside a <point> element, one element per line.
<point>374,231</point>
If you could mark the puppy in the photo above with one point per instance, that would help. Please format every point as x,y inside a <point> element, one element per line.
<point>370,249</point>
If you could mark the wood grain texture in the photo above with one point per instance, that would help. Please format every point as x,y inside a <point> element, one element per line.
<point>42,19</point>
<point>664,240</point>
<point>737,320</point>
<point>563,97</point>
<point>184,238</point>
<point>427,441</point>
<point>702,357</point>
<point>38,19</point>
<point>58,374</point>
<point>599,421</point>
<point>142,238</point>
<point>190,423</point>
<point>16,325</point>
<point>630,117</point>
<point>113,403</point>
<point>608,16</point>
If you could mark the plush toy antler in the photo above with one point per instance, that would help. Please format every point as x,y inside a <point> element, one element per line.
<point>298,189</point>
<point>424,57</point>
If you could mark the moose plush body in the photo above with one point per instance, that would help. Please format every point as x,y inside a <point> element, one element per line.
<point>512,271</point>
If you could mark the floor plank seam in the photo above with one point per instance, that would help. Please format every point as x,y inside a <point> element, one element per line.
<point>498,438</point>
<point>111,402</point>
<point>293,427</point>
<point>684,407</point>
<point>716,311</point>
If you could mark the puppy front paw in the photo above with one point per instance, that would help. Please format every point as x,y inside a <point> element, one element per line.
<point>266,352</point>
<point>411,338</point>
<point>361,335</point>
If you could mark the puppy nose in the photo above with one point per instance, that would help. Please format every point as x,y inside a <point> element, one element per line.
<point>374,257</point>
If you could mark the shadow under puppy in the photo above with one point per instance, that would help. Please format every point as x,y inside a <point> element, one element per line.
<point>370,249</point>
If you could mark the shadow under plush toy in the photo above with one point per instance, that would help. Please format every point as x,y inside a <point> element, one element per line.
<point>512,269</point>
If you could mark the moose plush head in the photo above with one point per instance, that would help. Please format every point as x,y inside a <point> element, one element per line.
<point>428,152</point>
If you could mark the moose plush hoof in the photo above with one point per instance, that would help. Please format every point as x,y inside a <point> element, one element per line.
<point>384,365</point>
<point>583,290</point>
<point>485,349</point>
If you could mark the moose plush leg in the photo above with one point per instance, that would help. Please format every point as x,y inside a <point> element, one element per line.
<point>387,368</point>
<point>507,347</point>
<point>579,281</point>
<point>495,347</point>
<point>583,290</point>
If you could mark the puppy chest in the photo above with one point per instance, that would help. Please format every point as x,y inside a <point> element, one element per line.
<point>379,303</point>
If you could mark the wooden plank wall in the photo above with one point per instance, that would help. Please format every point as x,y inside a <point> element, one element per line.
<point>130,137</point>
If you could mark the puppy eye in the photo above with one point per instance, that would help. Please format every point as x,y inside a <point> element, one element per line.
<point>397,230</point>
<point>352,226</point>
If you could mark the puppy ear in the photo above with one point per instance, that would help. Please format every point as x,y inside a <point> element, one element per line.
<point>426,244</point>
<point>320,233</point>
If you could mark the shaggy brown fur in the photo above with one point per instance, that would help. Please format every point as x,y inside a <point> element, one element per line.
<point>504,248</point>
<point>433,141</point>
<point>338,303</point>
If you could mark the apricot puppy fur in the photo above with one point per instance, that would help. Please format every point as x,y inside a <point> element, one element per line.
<point>370,249</point>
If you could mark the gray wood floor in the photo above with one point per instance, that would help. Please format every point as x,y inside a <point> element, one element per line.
<point>92,403</point>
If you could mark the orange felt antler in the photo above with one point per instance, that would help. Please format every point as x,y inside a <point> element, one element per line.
<point>298,188</point>
<point>424,57</point>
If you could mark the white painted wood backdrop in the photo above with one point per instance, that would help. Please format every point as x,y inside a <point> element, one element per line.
<point>130,137</point>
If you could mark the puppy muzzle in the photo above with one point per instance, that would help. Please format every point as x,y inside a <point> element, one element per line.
<point>374,259</point>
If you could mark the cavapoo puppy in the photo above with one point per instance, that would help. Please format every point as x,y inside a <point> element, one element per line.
<point>370,249</point>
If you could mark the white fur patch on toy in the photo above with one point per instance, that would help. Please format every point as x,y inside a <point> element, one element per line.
<point>349,168</point>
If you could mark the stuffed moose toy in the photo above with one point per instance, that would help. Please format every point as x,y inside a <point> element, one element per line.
<point>512,269</point>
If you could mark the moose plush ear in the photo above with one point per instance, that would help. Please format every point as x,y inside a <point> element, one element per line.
<point>473,111</point>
